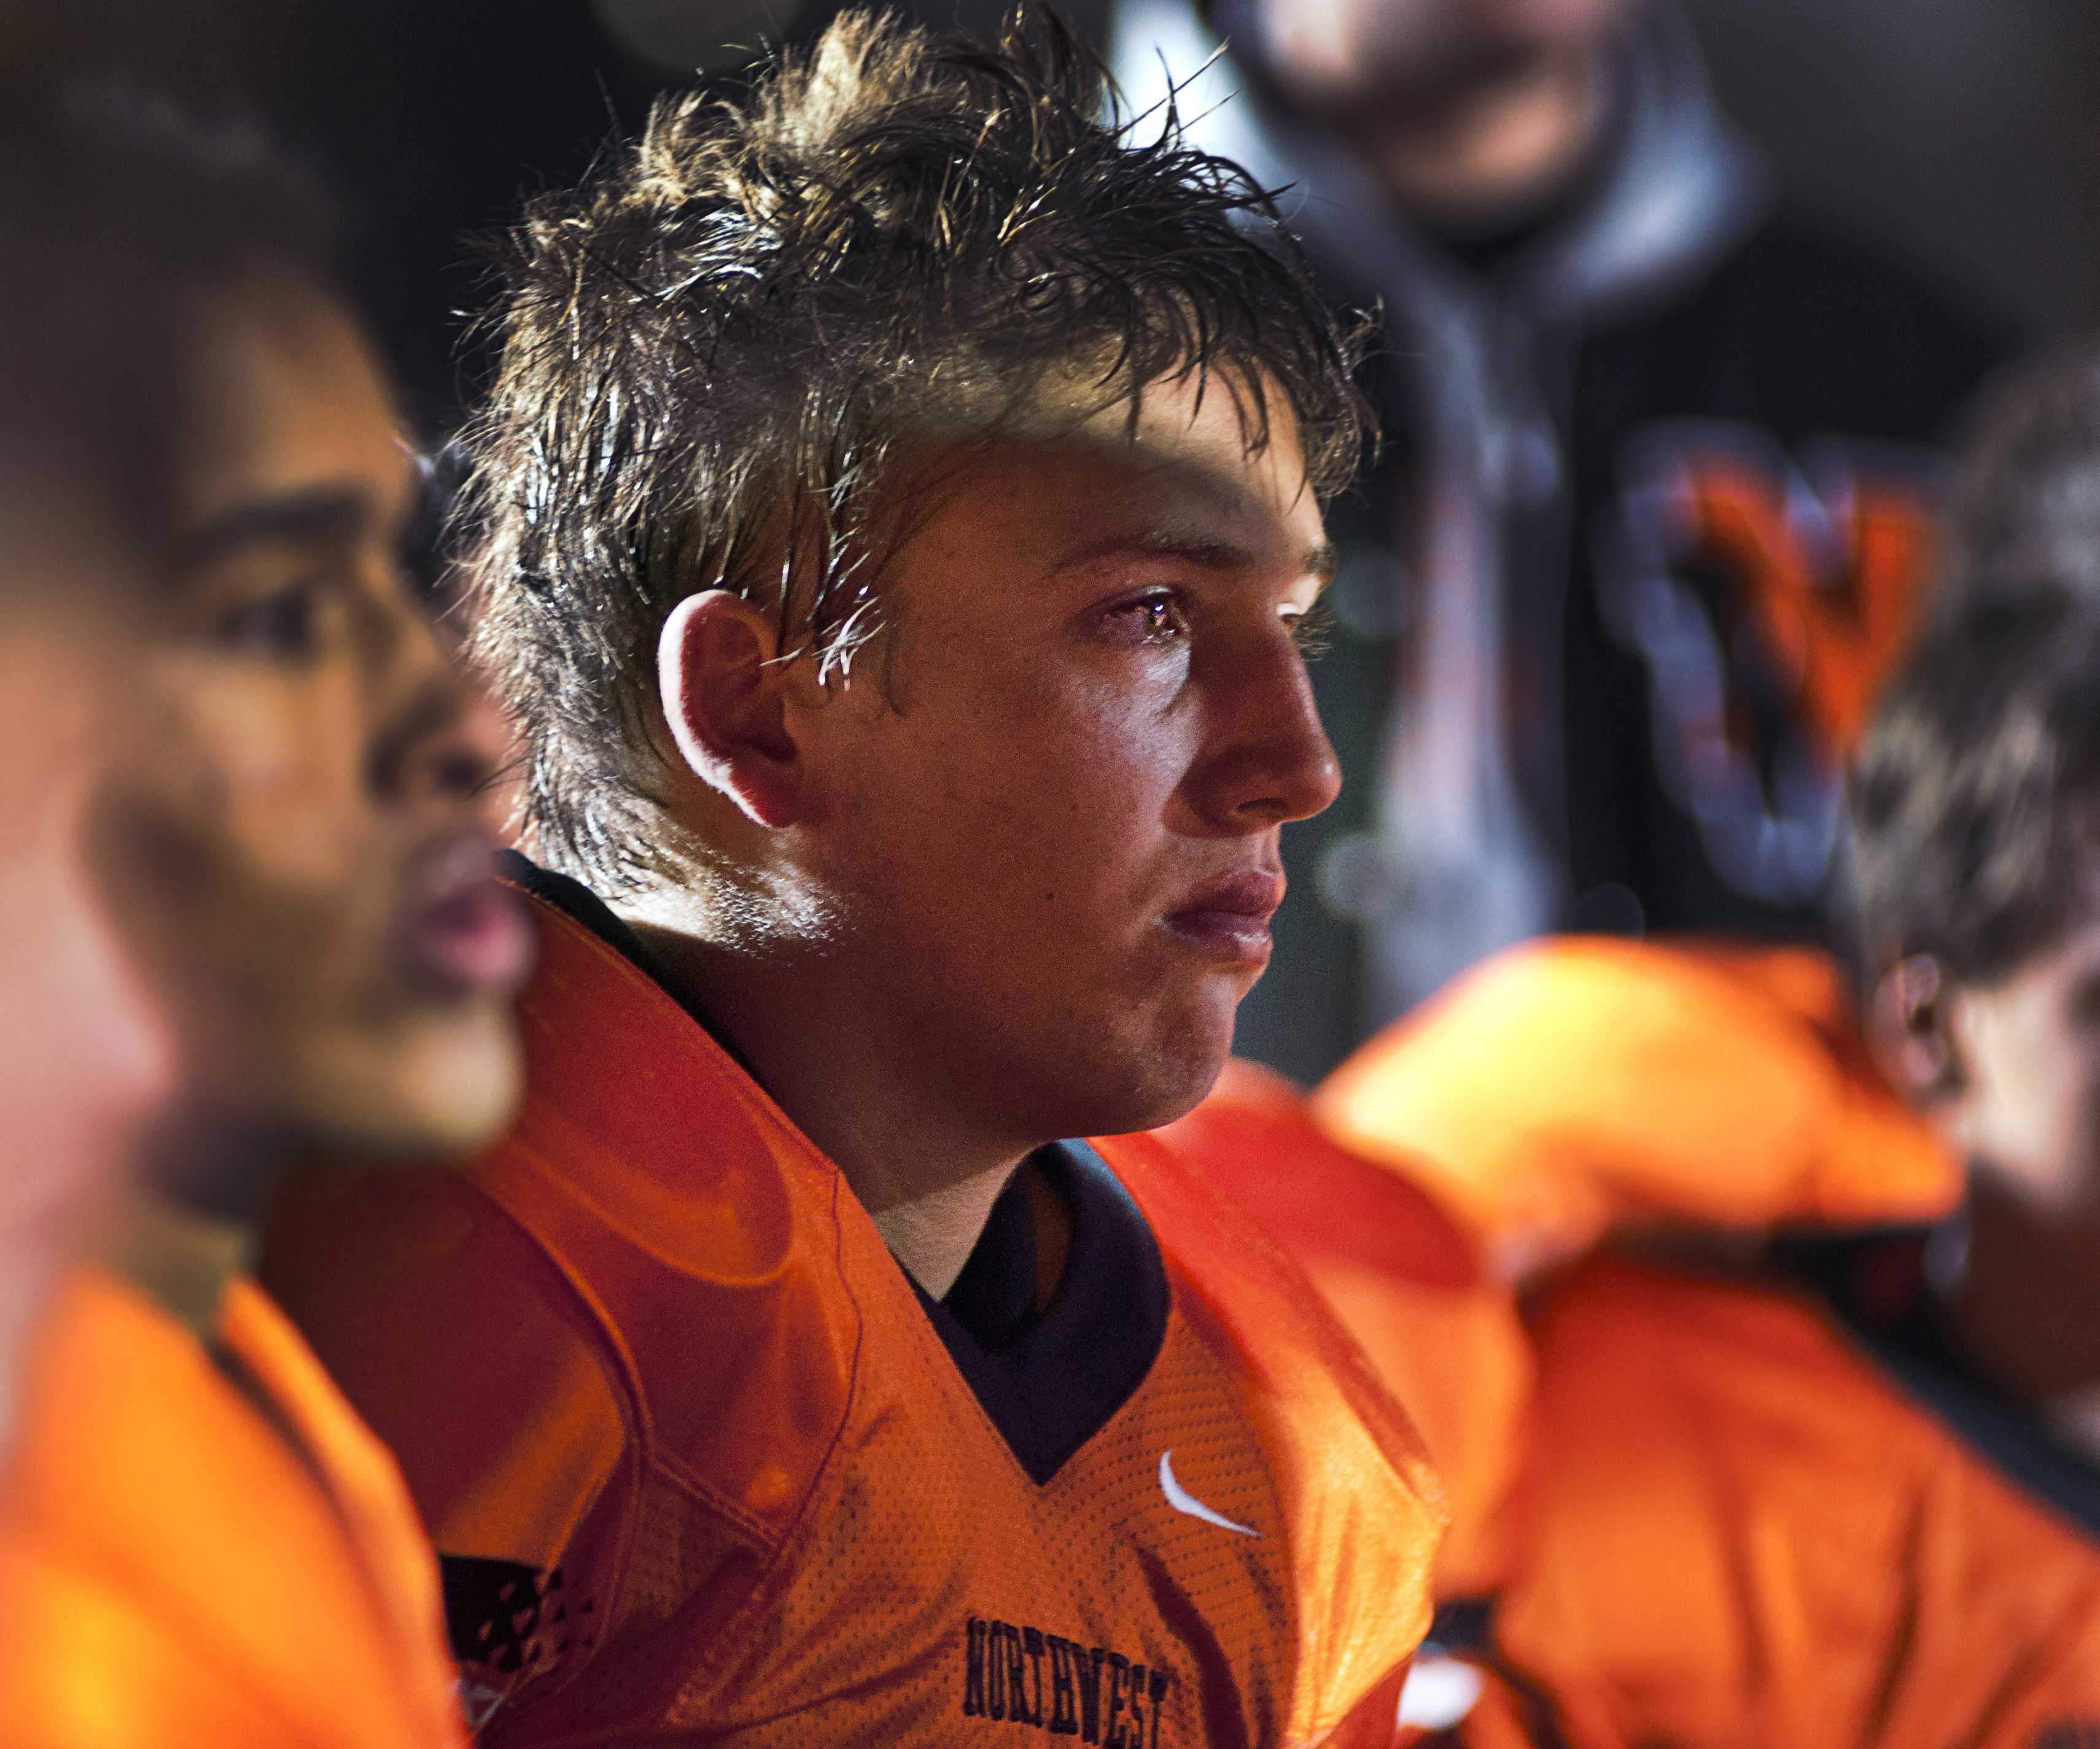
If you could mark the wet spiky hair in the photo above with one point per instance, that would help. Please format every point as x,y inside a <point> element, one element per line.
<point>709,349</point>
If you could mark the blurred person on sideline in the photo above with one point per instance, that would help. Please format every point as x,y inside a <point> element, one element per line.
<point>200,1543</point>
<point>1654,514</point>
<point>1793,1436</point>
<point>899,510</point>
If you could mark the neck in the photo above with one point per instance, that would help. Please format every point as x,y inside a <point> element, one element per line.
<point>934,1235</point>
<point>2024,1313</point>
<point>180,1258</point>
<point>911,1155</point>
<point>29,1279</point>
<point>1494,152</point>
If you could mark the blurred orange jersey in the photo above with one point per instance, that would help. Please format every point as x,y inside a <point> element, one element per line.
<point>1756,1514</point>
<point>1578,1088</point>
<point>1757,1503</point>
<point>704,1465</point>
<point>207,1554</point>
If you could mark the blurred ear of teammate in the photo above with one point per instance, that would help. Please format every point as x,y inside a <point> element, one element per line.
<point>901,504</point>
<point>199,1542</point>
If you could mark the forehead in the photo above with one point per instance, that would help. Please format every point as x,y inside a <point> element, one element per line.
<point>1183,453</point>
<point>1240,433</point>
<point>287,399</point>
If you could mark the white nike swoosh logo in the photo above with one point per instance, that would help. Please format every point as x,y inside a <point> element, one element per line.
<point>1183,1501</point>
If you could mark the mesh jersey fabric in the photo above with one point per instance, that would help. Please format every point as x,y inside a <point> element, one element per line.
<point>703,1470</point>
<point>202,1556</point>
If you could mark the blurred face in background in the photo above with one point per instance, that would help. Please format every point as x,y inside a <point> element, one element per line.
<point>1461,104</point>
<point>1385,54</point>
<point>294,856</point>
<point>2026,1104</point>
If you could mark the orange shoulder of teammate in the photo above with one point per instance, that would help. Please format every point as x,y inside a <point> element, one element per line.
<point>699,1460</point>
<point>1403,1279</point>
<point>207,1552</point>
<point>1572,1087</point>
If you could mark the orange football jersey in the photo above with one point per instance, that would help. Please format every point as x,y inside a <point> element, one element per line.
<point>207,1554</point>
<point>1404,1278</point>
<point>1757,1507</point>
<point>703,1465</point>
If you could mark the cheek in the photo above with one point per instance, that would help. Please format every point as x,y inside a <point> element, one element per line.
<point>1568,20</point>
<point>2034,1102</point>
<point>267,777</point>
<point>1045,782</point>
<point>235,854</point>
<point>84,1052</point>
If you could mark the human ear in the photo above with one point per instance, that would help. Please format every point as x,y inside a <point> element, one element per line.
<point>1911,1024</point>
<point>724,697</point>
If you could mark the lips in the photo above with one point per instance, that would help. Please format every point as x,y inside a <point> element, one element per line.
<point>462,932</point>
<point>1228,918</point>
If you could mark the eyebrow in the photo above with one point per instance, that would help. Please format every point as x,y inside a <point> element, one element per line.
<point>320,515</point>
<point>1207,553</point>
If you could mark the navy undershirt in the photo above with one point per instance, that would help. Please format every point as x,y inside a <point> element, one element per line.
<point>1050,1380</point>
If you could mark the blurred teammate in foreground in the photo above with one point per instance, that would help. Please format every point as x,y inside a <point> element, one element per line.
<point>269,845</point>
<point>900,507</point>
<point>84,1058</point>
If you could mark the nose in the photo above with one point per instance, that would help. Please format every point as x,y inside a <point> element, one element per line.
<point>1269,761</point>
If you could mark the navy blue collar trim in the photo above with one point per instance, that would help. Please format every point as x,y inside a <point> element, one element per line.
<point>1853,1275</point>
<point>1051,1380</point>
<point>581,905</point>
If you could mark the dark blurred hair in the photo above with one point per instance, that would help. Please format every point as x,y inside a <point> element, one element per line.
<point>1976,795</point>
<point>709,349</point>
<point>120,218</point>
<point>2025,505</point>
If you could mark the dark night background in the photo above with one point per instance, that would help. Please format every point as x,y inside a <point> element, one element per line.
<point>1960,135</point>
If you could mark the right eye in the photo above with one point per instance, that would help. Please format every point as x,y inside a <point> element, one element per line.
<point>1157,617</point>
<point>281,624</point>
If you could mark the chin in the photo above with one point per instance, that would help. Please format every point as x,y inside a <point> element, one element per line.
<point>446,1088</point>
<point>1176,1072</point>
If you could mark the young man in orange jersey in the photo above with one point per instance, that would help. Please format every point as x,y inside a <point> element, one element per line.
<point>898,512</point>
<point>272,838</point>
<point>1810,1456</point>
